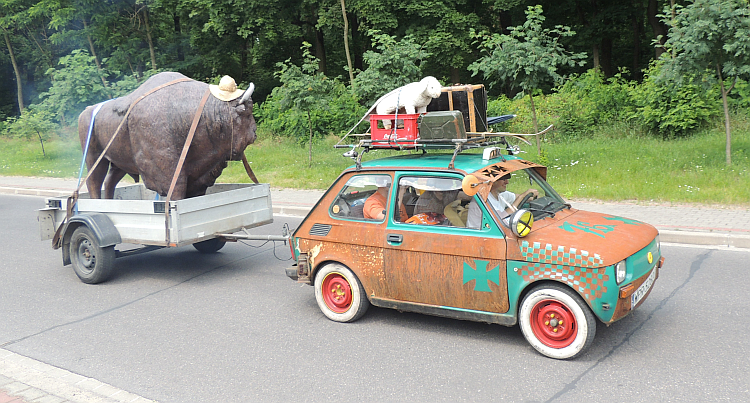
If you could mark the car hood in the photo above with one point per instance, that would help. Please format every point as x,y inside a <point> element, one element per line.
<point>585,239</point>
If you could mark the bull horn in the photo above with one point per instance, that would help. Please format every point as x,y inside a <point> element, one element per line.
<point>247,93</point>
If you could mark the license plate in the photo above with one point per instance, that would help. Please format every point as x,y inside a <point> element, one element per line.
<point>643,289</point>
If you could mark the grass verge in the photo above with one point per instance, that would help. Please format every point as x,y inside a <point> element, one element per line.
<point>615,164</point>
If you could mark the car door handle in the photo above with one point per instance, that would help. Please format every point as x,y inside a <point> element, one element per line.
<point>395,239</point>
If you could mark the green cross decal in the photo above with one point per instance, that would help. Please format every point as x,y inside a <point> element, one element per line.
<point>481,275</point>
<point>625,220</point>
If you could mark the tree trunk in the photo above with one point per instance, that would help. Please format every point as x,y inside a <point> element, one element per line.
<point>320,50</point>
<point>309,147</point>
<point>19,87</point>
<point>244,56</point>
<point>595,52</point>
<point>148,38</point>
<point>636,69</point>
<point>727,129</point>
<point>536,125</point>
<point>455,75</point>
<point>346,44</point>
<point>178,32</point>
<point>605,57</point>
<point>96,58</point>
<point>656,26</point>
<point>41,142</point>
<point>357,43</point>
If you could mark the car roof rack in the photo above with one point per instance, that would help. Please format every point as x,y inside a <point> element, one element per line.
<point>457,140</point>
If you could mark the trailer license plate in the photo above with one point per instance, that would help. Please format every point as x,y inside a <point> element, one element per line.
<point>643,289</point>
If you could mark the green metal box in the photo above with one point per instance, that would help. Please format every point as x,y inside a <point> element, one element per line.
<point>442,125</point>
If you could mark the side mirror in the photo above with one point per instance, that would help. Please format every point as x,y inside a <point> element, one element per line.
<point>520,223</point>
<point>470,184</point>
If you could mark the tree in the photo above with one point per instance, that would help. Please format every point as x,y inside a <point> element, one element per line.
<point>392,64</point>
<point>528,57</point>
<point>304,88</point>
<point>346,43</point>
<point>14,17</point>
<point>710,37</point>
<point>32,123</point>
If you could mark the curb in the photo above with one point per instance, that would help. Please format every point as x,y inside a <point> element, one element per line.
<point>34,192</point>
<point>704,238</point>
<point>35,381</point>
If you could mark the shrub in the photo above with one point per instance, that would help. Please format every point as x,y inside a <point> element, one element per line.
<point>669,109</point>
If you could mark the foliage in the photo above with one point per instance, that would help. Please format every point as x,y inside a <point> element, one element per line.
<point>307,93</point>
<point>669,109</point>
<point>710,36</point>
<point>32,124</point>
<point>75,85</point>
<point>394,64</point>
<point>341,112</point>
<point>529,56</point>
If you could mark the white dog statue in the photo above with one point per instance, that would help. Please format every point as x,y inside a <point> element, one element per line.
<point>413,97</point>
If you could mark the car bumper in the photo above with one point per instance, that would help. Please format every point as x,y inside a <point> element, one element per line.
<point>632,295</point>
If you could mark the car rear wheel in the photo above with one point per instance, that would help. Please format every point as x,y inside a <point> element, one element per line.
<point>339,293</point>
<point>556,321</point>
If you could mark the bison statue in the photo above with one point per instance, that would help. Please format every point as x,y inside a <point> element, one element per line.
<point>152,135</point>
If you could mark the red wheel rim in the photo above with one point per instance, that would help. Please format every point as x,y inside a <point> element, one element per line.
<point>337,293</point>
<point>553,323</point>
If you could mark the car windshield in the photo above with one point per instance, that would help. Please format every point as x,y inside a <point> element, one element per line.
<point>548,201</point>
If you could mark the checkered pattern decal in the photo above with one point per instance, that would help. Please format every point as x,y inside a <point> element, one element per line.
<point>548,254</point>
<point>590,283</point>
<point>578,269</point>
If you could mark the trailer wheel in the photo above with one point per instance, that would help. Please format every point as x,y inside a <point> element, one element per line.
<point>91,262</point>
<point>209,245</point>
<point>556,321</point>
<point>339,293</point>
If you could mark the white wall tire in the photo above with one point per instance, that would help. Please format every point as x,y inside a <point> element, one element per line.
<point>556,321</point>
<point>339,293</point>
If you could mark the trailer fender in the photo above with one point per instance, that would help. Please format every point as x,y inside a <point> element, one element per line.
<point>101,225</point>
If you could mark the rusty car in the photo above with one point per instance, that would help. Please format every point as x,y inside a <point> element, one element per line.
<point>439,247</point>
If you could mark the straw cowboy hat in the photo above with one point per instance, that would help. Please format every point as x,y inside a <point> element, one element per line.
<point>226,90</point>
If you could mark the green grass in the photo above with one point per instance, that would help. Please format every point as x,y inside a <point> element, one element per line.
<point>622,166</point>
<point>25,158</point>
<point>618,163</point>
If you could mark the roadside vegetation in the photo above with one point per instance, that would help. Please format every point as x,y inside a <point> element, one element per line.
<point>613,162</point>
<point>675,129</point>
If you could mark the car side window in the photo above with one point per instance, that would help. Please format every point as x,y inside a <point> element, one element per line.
<point>430,200</point>
<point>352,201</point>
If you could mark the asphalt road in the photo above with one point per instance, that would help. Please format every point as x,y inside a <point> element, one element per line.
<point>177,326</point>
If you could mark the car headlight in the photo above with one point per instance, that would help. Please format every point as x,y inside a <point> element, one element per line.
<point>620,272</point>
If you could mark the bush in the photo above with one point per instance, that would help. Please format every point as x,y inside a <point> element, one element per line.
<point>395,63</point>
<point>338,111</point>
<point>672,110</point>
<point>331,105</point>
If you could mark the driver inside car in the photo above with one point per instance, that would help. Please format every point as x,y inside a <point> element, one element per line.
<point>503,201</point>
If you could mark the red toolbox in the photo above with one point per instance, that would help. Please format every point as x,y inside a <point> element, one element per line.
<point>401,135</point>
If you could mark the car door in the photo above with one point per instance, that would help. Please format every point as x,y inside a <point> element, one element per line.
<point>443,264</point>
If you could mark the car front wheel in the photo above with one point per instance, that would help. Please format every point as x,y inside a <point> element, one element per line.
<point>339,293</point>
<point>556,321</point>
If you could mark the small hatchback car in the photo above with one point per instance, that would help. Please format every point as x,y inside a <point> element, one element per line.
<point>476,239</point>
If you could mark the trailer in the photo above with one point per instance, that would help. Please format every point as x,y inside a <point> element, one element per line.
<point>90,231</point>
